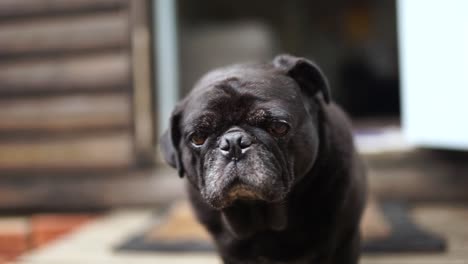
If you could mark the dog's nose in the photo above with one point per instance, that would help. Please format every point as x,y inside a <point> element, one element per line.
<point>234,144</point>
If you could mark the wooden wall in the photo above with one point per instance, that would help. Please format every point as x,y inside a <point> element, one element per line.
<point>67,87</point>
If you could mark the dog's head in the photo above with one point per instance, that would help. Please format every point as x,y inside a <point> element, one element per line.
<point>248,132</point>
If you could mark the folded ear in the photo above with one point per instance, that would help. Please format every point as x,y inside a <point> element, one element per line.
<point>306,73</point>
<point>170,141</point>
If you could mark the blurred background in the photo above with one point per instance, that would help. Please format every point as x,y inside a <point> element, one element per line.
<point>87,87</point>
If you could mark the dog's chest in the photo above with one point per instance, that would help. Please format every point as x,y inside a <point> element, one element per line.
<point>266,260</point>
<point>270,249</point>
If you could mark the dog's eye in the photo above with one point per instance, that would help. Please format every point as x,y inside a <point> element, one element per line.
<point>278,128</point>
<point>197,139</point>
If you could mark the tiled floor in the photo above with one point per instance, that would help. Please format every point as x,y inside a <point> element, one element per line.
<point>21,234</point>
<point>94,242</point>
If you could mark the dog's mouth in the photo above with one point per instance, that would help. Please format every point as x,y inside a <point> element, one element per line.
<point>249,179</point>
<point>242,192</point>
<point>235,192</point>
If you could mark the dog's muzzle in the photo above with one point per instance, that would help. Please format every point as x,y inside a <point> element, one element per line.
<point>234,144</point>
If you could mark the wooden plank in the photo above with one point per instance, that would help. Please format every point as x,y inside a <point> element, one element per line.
<point>65,113</point>
<point>73,73</point>
<point>56,191</point>
<point>67,33</point>
<point>105,151</point>
<point>15,8</point>
<point>419,175</point>
<point>143,111</point>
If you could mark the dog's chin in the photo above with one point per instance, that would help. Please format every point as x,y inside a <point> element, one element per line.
<point>222,199</point>
<point>256,177</point>
<point>221,204</point>
<point>238,192</point>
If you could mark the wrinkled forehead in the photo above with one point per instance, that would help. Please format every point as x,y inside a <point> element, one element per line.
<point>236,93</point>
<point>243,83</point>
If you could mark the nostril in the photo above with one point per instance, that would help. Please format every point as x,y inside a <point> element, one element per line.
<point>224,145</point>
<point>244,142</point>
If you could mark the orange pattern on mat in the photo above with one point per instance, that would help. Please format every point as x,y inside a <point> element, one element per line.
<point>20,234</point>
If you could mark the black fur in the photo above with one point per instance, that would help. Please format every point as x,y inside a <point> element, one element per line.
<point>301,195</point>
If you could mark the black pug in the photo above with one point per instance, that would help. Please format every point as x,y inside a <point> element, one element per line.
<point>271,166</point>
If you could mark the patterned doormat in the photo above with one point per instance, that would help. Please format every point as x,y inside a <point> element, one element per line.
<point>386,228</point>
